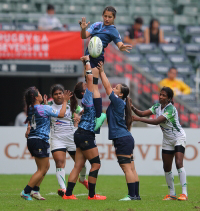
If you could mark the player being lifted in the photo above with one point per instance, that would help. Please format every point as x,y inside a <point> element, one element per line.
<point>62,135</point>
<point>174,139</point>
<point>107,32</point>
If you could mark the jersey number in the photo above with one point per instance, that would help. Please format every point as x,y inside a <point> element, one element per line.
<point>33,123</point>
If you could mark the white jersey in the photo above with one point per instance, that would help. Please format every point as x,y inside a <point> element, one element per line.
<point>61,128</point>
<point>171,128</point>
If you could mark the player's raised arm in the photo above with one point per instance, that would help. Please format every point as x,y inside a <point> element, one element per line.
<point>157,121</point>
<point>123,47</point>
<point>67,95</point>
<point>104,79</point>
<point>84,34</point>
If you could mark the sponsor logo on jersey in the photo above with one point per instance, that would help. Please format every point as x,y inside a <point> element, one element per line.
<point>54,111</point>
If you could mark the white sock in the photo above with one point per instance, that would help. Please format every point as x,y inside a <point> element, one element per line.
<point>60,174</point>
<point>83,174</point>
<point>170,182</point>
<point>183,181</point>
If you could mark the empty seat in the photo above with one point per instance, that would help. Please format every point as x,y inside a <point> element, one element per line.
<point>139,10</point>
<point>145,67</point>
<point>56,2</point>
<point>162,11</point>
<point>195,39</point>
<point>178,59</point>
<point>8,26</point>
<point>169,30</point>
<point>148,48</point>
<point>185,69</point>
<point>197,62</point>
<point>184,20</point>
<point>77,2</point>
<point>190,11</point>
<point>6,7</point>
<point>187,2</point>
<point>171,48</point>
<point>121,10</point>
<point>137,58</point>
<point>94,9</point>
<point>192,30</point>
<point>74,9</point>
<point>25,7</point>
<point>161,2</point>
<point>165,19</point>
<point>26,26</point>
<point>192,48</point>
<point>124,19</point>
<point>175,39</point>
<point>140,2</point>
<point>96,2</point>
<point>118,2</point>
<point>157,58</point>
<point>162,68</point>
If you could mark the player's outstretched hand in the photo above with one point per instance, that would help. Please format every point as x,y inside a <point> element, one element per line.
<point>100,67</point>
<point>83,23</point>
<point>135,118</point>
<point>45,99</point>
<point>67,95</point>
<point>125,48</point>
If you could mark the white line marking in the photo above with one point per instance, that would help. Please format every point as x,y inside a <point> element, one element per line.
<point>51,193</point>
<point>174,184</point>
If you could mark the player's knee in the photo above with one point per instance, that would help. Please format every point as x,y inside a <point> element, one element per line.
<point>166,168</point>
<point>123,160</point>
<point>179,163</point>
<point>60,164</point>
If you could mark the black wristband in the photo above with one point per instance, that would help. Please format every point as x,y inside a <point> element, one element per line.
<point>86,61</point>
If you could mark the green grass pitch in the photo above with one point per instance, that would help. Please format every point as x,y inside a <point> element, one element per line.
<point>152,190</point>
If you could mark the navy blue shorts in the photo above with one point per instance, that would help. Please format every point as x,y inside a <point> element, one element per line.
<point>94,61</point>
<point>38,147</point>
<point>84,139</point>
<point>124,145</point>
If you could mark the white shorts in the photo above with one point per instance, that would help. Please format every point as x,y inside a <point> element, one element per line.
<point>67,143</point>
<point>170,144</point>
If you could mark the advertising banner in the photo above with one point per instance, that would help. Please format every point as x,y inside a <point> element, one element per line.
<point>40,45</point>
<point>16,159</point>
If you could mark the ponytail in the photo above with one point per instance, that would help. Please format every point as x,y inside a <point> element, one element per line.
<point>29,97</point>
<point>128,113</point>
<point>73,103</point>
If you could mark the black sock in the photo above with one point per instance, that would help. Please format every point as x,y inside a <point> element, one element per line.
<point>137,188</point>
<point>36,188</point>
<point>28,189</point>
<point>91,189</point>
<point>131,189</point>
<point>98,106</point>
<point>70,187</point>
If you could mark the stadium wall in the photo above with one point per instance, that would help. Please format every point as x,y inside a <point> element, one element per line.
<point>16,159</point>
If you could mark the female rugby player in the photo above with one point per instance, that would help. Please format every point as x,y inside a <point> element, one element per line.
<point>84,138</point>
<point>119,124</point>
<point>38,135</point>
<point>62,136</point>
<point>174,139</point>
<point>107,32</point>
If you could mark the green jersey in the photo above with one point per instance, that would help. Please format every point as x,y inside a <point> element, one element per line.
<point>171,128</point>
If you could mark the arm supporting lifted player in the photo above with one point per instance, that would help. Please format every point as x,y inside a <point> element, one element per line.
<point>145,113</point>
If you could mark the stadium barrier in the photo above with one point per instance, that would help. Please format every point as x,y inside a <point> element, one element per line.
<point>16,159</point>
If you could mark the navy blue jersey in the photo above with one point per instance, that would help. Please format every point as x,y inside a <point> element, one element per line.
<point>39,119</point>
<point>116,118</point>
<point>87,121</point>
<point>107,34</point>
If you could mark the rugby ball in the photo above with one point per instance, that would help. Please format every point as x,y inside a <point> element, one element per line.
<point>95,47</point>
